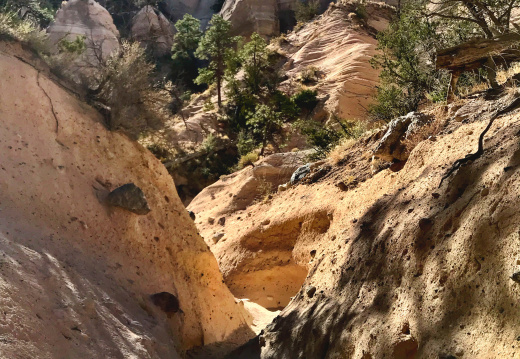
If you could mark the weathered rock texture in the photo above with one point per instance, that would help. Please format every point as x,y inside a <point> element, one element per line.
<point>200,9</point>
<point>235,192</point>
<point>270,283</point>
<point>391,146</point>
<point>248,16</point>
<point>154,30</point>
<point>339,46</point>
<point>402,268</point>
<point>77,274</point>
<point>86,18</point>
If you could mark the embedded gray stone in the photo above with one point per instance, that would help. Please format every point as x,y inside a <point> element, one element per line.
<point>300,173</point>
<point>310,291</point>
<point>129,197</point>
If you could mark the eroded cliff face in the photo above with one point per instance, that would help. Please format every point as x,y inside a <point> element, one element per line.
<point>77,274</point>
<point>248,16</point>
<point>398,267</point>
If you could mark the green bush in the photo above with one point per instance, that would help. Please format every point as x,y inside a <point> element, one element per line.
<point>187,38</point>
<point>247,160</point>
<point>209,145</point>
<point>323,138</point>
<point>309,74</point>
<point>405,61</point>
<point>306,10</point>
<point>245,143</point>
<point>361,12</point>
<point>125,86</point>
<point>306,100</point>
<point>159,152</point>
<point>76,46</point>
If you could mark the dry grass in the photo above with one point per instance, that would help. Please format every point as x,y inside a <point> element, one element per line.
<point>11,27</point>
<point>265,190</point>
<point>503,76</point>
<point>309,74</point>
<point>338,153</point>
<point>247,160</point>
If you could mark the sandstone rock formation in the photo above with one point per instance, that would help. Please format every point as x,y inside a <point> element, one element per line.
<point>268,18</point>
<point>397,267</point>
<point>235,192</point>
<point>339,46</point>
<point>200,9</point>
<point>154,30</point>
<point>89,19</point>
<point>391,146</point>
<point>248,16</point>
<point>229,199</point>
<point>77,274</point>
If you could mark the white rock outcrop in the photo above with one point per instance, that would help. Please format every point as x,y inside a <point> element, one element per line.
<point>89,19</point>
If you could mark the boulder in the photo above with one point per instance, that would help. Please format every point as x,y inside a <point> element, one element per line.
<point>300,173</point>
<point>91,20</point>
<point>390,146</point>
<point>151,28</point>
<point>129,197</point>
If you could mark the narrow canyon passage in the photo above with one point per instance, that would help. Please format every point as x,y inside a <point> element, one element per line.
<point>268,262</point>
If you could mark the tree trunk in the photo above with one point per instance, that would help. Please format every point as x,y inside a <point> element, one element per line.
<point>471,55</point>
<point>491,68</point>
<point>453,86</point>
<point>477,54</point>
<point>219,94</point>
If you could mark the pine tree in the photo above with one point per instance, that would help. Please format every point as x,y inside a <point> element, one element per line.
<point>185,44</point>
<point>217,46</point>
<point>254,56</point>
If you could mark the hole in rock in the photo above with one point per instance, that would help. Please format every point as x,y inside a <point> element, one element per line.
<point>269,275</point>
<point>167,302</point>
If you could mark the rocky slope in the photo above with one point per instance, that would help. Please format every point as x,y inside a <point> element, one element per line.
<point>338,46</point>
<point>398,267</point>
<point>78,275</point>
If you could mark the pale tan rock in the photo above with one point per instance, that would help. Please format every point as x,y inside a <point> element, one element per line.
<point>238,190</point>
<point>154,30</point>
<point>405,269</point>
<point>86,18</point>
<point>248,16</point>
<point>77,274</point>
<point>340,50</point>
